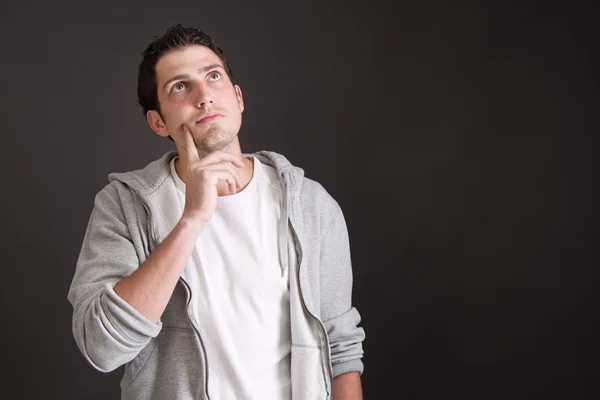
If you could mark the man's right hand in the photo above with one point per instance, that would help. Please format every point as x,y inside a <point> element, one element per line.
<point>202,177</point>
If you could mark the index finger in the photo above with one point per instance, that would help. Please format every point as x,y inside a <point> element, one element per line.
<point>189,145</point>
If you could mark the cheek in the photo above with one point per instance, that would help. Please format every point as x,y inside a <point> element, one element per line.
<point>237,120</point>
<point>235,105</point>
<point>177,113</point>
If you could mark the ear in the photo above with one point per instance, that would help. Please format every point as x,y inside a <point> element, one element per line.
<point>240,98</point>
<point>156,123</point>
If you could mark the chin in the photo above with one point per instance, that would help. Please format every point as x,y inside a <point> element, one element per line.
<point>217,141</point>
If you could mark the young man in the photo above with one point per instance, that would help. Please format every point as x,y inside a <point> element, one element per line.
<point>212,274</point>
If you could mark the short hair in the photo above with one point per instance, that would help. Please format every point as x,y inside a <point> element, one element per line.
<point>176,37</point>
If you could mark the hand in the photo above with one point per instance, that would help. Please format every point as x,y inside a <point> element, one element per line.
<point>202,177</point>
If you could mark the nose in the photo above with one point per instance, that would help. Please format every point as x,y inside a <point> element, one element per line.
<point>204,97</point>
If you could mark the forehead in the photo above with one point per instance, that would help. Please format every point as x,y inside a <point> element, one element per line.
<point>184,60</point>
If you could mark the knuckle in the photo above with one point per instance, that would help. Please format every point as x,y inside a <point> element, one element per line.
<point>202,173</point>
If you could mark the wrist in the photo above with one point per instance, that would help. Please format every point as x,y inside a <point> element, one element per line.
<point>191,226</point>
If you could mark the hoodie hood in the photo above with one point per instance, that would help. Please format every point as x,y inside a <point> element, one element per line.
<point>145,183</point>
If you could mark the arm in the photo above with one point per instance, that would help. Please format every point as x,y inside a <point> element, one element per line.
<point>347,387</point>
<point>117,302</point>
<point>107,330</point>
<point>341,319</point>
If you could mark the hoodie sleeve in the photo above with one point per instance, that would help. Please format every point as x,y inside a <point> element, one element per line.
<point>341,319</point>
<point>107,330</point>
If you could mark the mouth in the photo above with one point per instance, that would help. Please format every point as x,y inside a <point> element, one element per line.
<point>207,118</point>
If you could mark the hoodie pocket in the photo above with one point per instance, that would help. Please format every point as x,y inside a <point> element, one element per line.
<point>308,374</point>
<point>172,370</point>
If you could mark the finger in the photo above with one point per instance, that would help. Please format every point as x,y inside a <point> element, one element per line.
<point>225,166</point>
<point>228,169</point>
<point>219,156</point>
<point>189,145</point>
<point>226,177</point>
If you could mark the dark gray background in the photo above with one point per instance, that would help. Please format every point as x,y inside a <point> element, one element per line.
<point>459,140</point>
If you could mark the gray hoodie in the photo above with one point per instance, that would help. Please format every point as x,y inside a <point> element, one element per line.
<point>134,213</point>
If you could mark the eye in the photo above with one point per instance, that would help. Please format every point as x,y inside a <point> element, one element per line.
<point>178,87</point>
<point>214,76</point>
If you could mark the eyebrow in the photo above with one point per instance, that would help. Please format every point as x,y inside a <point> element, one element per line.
<point>185,76</point>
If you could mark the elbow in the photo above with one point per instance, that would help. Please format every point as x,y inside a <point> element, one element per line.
<point>102,362</point>
<point>99,349</point>
<point>105,342</point>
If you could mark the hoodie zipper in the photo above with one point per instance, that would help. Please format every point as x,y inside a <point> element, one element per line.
<point>321,325</point>
<point>187,307</point>
<point>197,330</point>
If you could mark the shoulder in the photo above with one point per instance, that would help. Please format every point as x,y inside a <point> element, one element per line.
<point>317,203</point>
<point>113,192</point>
<point>313,191</point>
<point>116,200</point>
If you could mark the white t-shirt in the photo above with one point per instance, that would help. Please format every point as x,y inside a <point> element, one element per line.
<point>243,303</point>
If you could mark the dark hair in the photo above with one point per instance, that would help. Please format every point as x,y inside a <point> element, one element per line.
<point>176,37</point>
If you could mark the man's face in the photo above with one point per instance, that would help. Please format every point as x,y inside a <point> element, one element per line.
<point>191,85</point>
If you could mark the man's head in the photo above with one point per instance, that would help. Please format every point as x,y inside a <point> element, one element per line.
<point>183,77</point>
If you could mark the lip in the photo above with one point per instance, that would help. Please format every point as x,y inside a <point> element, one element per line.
<point>209,118</point>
